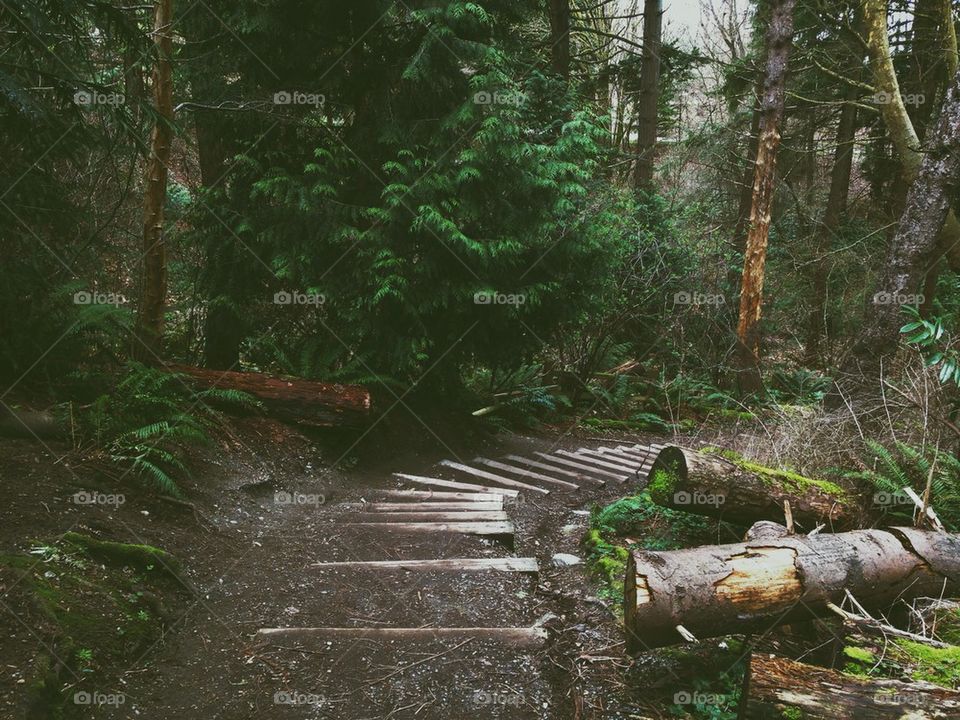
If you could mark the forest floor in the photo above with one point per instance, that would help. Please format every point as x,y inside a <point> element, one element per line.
<point>188,647</point>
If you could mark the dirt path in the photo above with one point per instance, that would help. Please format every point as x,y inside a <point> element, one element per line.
<point>250,553</point>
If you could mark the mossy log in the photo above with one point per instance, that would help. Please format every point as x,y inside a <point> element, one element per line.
<point>756,585</point>
<point>743,493</point>
<point>291,399</point>
<point>780,688</point>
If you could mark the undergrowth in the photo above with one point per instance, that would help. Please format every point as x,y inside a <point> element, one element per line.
<point>144,425</point>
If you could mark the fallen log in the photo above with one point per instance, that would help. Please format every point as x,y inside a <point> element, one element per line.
<point>755,585</point>
<point>780,688</point>
<point>287,398</point>
<point>709,484</point>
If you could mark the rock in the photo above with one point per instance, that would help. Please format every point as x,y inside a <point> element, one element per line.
<point>566,560</point>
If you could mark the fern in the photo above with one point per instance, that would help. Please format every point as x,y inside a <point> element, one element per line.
<point>147,423</point>
<point>887,470</point>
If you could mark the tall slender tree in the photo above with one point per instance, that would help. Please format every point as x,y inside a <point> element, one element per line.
<point>832,217</point>
<point>153,294</point>
<point>772,100</point>
<point>647,108</point>
<point>560,37</point>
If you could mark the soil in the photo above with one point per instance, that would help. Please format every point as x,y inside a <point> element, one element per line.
<point>246,558</point>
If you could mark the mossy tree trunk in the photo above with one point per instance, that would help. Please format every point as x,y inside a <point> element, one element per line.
<point>780,688</point>
<point>709,484</point>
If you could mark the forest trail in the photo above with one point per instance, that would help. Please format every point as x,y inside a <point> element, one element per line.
<point>345,610</point>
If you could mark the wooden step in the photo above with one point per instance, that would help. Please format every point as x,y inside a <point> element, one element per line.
<point>390,508</point>
<point>484,475</point>
<point>628,460</point>
<point>466,528</point>
<point>521,637</point>
<point>591,460</point>
<point>585,468</point>
<point>440,495</point>
<point>420,480</point>
<point>552,468</point>
<point>622,455</point>
<point>442,517</point>
<point>525,473</point>
<point>629,464</point>
<point>509,564</point>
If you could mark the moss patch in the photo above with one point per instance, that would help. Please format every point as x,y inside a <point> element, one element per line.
<point>794,482</point>
<point>94,611</point>
<point>937,665</point>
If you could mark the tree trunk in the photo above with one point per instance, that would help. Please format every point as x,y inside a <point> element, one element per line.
<point>902,132</point>
<point>780,688</point>
<point>293,399</point>
<point>746,188</point>
<point>648,105</point>
<point>833,215</point>
<point>759,584</point>
<point>560,37</point>
<point>779,36</point>
<point>711,485</point>
<point>914,246</point>
<point>153,297</point>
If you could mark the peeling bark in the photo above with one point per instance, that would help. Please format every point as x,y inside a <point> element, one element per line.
<point>759,584</point>
<point>779,36</point>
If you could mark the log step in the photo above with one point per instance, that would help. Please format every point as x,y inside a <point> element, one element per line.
<point>467,528</point>
<point>552,468</point>
<point>580,466</point>
<point>510,564</point>
<point>525,473</point>
<point>437,482</point>
<point>484,475</point>
<point>495,516</point>
<point>521,637</point>
<point>440,495</point>
<point>592,457</point>
<point>433,507</point>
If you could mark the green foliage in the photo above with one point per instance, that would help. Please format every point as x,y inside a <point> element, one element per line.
<point>799,386</point>
<point>144,425</point>
<point>930,338</point>
<point>888,469</point>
